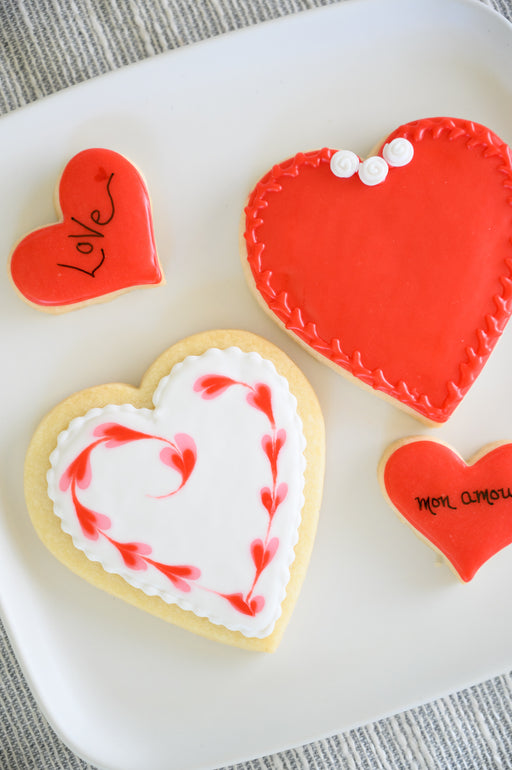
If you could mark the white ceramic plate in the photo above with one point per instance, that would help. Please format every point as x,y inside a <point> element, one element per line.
<point>379,625</point>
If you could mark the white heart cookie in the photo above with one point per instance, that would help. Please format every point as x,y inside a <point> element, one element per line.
<point>203,504</point>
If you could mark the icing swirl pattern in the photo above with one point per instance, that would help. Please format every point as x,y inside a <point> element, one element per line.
<point>344,163</point>
<point>373,170</point>
<point>398,152</point>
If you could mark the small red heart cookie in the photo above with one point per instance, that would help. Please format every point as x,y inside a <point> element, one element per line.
<point>463,510</point>
<point>396,270</point>
<point>194,497</point>
<point>104,244</point>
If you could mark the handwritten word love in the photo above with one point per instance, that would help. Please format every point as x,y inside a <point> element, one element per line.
<point>84,240</point>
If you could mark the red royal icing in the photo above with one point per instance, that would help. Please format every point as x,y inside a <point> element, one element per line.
<point>405,285</point>
<point>463,510</point>
<point>104,243</point>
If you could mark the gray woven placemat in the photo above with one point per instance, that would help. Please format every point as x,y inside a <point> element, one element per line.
<point>48,45</point>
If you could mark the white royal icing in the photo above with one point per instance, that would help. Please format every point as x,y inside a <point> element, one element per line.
<point>373,170</point>
<point>344,163</point>
<point>217,519</point>
<point>398,152</point>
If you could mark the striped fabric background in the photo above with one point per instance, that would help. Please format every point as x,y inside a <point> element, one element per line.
<point>48,45</point>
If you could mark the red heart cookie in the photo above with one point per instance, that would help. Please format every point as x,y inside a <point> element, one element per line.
<point>463,510</point>
<point>396,270</point>
<point>104,244</point>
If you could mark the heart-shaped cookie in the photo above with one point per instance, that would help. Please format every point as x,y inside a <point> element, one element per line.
<point>463,510</point>
<point>103,245</point>
<point>194,497</point>
<point>397,270</point>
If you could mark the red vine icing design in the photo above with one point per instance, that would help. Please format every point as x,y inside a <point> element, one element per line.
<point>406,285</point>
<point>258,396</point>
<point>181,455</point>
<point>462,509</point>
<point>104,243</point>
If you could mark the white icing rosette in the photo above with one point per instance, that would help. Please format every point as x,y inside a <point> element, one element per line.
<point>373,170</point>
<point>344,163</point>
<point>398,152</point>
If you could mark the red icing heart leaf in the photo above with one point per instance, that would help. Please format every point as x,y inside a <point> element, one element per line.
<point>179,575</point>
<point>259,398</point>
<point>181,456</point>
<point>271,501</point>
<point>251,607</point>
<point>403,285</point>
<point>262,555</point>
<point>79,471</point>
<point>103,245</point>
<point>464,510</point>
<point>133,554</point>
<point>273,445</point>
<point>212,385</point>
<point>114,434</point>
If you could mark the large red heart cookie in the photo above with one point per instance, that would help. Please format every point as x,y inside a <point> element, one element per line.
<point>463,510</point>
<point>396,270</point>
<point>194,497</point>
<point>104,244</point>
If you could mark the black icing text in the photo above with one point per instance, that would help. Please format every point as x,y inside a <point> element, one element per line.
<point>86,238</point>
<point>474,497</point>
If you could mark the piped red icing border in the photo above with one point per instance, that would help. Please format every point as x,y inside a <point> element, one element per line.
<point>281,290</point>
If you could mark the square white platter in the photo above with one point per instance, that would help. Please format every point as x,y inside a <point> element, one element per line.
<point>379,625</point>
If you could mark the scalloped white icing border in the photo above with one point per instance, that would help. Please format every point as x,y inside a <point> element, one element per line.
<point>175,403</point>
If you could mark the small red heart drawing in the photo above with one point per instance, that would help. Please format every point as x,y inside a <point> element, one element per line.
<point>396,273</point>
<point>463,510</point>
<point>103,245</point>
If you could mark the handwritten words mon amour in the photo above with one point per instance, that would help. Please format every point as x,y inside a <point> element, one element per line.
<point>475,497</point>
